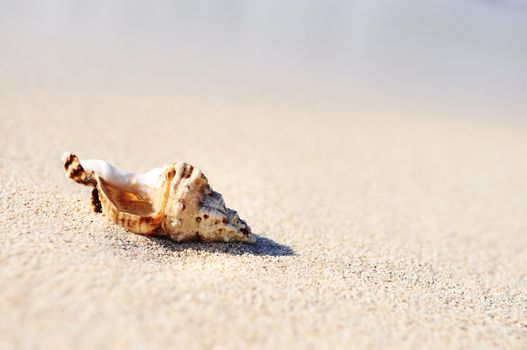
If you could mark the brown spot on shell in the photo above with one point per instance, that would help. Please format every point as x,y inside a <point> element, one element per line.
<point>95,201</point>
<point>76,172</point>
<point>198,219</point>
<point>205,216</point>
<point>68,161</point>
<point>170,174</point>
<point>146,219</point>
<point>224,220</point>
<point>188,171</point>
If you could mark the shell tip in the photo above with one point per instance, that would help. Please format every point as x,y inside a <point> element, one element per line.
<point>65,155</point>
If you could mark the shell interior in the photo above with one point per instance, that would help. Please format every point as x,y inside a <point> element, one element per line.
<point>128,199</point>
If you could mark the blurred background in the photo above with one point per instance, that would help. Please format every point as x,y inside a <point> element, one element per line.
<point>423,58</point>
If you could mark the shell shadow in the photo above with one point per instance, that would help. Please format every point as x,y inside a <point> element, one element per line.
<point>262,247</point>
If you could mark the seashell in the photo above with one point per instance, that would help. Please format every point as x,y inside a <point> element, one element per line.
<point>175,200</point>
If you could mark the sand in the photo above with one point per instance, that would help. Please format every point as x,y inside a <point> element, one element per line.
<point>372,232</point>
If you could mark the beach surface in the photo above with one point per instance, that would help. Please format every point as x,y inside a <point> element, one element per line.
<point>385,218</point>
<point>370,234</point>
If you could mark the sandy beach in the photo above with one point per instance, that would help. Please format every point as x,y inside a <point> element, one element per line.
<point>360,242</point>
<point>382,221</point>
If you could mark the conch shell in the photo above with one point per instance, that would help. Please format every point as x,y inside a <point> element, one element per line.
<point>175,201</point>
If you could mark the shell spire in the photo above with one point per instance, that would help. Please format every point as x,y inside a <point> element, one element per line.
<point>175,200</point>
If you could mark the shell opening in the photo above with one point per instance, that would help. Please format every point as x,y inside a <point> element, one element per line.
<point>128,199</point>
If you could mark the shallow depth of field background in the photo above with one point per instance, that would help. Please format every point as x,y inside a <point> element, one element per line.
<point>342,58</point>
